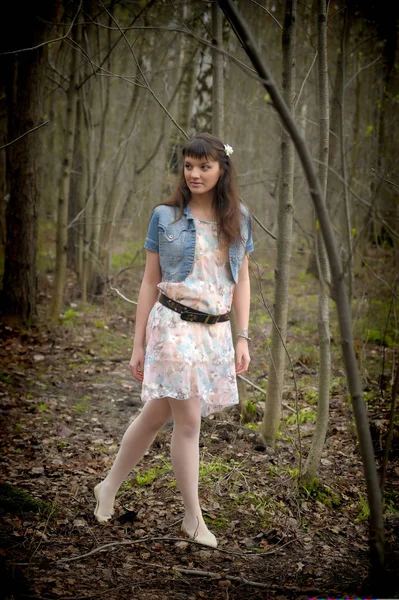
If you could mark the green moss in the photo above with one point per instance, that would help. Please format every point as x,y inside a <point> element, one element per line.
<point>148,476</point>
<point>5,377</point>
<point>16,501</point>
<point>218,523</point>
<point>320,492</point>
<point>363,509</point>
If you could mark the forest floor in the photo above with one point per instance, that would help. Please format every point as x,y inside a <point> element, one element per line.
<point>67,396</point>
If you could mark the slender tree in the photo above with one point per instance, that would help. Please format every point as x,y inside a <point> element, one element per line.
<point>272,413</point>
<point>64,187</point>
<point>319,436</point>
<point>340,295</point>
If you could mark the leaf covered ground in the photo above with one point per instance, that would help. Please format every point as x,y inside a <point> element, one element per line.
<point>67,396</point>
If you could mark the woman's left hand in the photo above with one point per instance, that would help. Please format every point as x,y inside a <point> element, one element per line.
<point>242,356</point>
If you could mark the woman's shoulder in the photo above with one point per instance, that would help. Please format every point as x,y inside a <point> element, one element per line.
<point>164,213</point>
<point>245,212</point>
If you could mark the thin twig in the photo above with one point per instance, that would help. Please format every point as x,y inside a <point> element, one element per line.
<point>305,80</point>
<point>211,574</point>
<point>360,70</point>
<point>384,179</point>
<point>122,296</point>
<point>255,218</point>
<point>268,12</point>
<point>49,41</point>
<point>149,88</point>
<point>172,539</point>
<point>249,382</point>
<point>24,134</point>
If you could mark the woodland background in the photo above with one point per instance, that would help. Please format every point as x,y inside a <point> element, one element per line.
<point>113,89</point>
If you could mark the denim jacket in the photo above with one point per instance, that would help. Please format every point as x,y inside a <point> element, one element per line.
<point>175,242</point>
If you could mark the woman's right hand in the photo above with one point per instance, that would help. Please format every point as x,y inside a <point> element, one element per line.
<point>137,363</point>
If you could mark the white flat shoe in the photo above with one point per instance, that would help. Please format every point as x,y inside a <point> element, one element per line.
<point>206,540</point>
<point>100,518</point>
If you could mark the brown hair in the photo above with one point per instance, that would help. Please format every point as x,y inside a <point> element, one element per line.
<point>226,202</point>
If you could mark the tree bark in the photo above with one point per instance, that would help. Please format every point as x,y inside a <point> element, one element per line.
<point>24,83</point>
<point>217,72</point>
<point>272,413</point>
<point>63,196</point>
<point>313,460</point>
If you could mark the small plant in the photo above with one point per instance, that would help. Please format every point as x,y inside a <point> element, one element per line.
<point>321,493</point>
<point>147,477</point>
<point>62,444</point>
<point>42,406</point>
<point>251,407</point>
<point>305,414</point>
<point>69,317</point>
<point>99,323</point>
<point>83,405</point>
<point>363,509</point>
<point>253,426</point>
<point>5,377</point>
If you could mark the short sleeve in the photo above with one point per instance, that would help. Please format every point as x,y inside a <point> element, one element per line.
<point>151,241</point>
<point>250,242</point>
<point>248,226</point>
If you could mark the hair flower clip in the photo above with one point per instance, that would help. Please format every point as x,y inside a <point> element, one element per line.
<point>228,149</point>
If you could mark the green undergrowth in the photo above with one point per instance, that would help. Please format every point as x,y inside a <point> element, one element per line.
<point>16,501</point>
<point>148,476</point>
<point>320,492</point>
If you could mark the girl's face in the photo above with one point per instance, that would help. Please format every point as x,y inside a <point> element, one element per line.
<point>201,174</point>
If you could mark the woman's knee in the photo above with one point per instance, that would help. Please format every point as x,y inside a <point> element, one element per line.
<point>155,414</point>
<point>186,417</point>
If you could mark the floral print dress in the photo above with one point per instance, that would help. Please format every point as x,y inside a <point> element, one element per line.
<point>186,359</point>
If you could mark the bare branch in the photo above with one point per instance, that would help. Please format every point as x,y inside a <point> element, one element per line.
<point>305,80</point>
<point>142,73</point>
<point>360,70</point>
<point>385,180</point>
<point>268,12</point>
<point>257,387</point>
<point>263,227</point>
<point>122,296</point>
<point>24,134</point>
<point>59,39</point>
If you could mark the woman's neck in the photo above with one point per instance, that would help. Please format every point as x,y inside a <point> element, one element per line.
<point>202,208</point>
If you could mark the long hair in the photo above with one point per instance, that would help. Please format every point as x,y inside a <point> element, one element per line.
<point>226,202</point>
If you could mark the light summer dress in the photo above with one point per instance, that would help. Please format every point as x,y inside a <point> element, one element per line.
<point>184,359</point>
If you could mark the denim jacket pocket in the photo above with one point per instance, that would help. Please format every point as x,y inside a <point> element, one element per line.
<point>171,242</point>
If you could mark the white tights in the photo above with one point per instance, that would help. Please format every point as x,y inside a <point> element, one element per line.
<point>184,454</point>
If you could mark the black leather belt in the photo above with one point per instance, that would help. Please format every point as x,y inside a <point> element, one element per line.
<point>191,314</point>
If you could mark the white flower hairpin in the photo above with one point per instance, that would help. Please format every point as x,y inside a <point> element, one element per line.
<point>228,149</point>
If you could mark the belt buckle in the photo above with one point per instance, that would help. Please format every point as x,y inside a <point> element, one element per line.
<point>212,319</point>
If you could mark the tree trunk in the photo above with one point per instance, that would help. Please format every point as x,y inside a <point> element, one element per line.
<point>24,83</point>
<point>217,72</point>
<point>272,414</point>
<point>348,220</point>
<point>63,197</point>
<point>319,435</point>
<point>376,536</point>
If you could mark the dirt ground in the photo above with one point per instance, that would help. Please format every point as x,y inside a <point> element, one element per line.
<point>66,398</point>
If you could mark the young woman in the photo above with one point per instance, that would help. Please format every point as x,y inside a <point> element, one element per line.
<point>196,270</point>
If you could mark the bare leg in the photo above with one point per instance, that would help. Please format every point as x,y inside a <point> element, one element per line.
<point>185,460</point>
<point>137,439</point>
